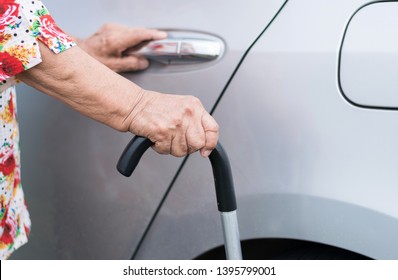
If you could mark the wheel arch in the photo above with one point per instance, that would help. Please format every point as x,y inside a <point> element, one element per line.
<point>284,248</point>
<point>282,222</point>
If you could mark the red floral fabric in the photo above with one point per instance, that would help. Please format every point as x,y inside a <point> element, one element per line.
<point>22,23</point>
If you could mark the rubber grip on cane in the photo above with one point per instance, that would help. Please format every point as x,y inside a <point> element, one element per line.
<point>132,154</point>
<point>222,174</point>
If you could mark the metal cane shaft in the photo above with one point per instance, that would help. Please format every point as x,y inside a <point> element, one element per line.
<point>230,226</point>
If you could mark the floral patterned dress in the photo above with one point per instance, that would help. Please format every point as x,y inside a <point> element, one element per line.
<point>22,24</point>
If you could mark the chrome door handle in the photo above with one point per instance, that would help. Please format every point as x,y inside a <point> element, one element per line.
<point>181,51</point>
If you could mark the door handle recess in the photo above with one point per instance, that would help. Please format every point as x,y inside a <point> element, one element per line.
<point>181,51</point>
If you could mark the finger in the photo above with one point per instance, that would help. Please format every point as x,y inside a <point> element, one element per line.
<point>179,147</point>
<point>128,63</point>
<point>195,137</point>
<point>211,130</point>
<point>134,36</point>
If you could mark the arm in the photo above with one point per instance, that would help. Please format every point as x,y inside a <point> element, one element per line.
<point>176,124</point>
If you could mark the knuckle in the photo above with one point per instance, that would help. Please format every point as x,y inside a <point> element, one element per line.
<point>190,105</point>
<point>107,26</point>
<point>197,143</point>
<point>177,121</point>
<point>196,102</point>
<point>194,99</point>
<point>105,41</point>
<point>188,111</point>
<point>215,127</point>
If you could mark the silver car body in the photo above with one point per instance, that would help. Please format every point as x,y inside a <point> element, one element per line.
<point>306,103</point>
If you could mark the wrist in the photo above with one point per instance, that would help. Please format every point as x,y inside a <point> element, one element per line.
<point>81,43</point>
<point>137,119</point>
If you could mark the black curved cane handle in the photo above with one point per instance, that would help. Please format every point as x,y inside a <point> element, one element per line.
<point>132,154</point>
<point>219,161</point>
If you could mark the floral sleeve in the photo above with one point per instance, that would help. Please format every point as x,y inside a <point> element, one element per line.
<point>22,23</point>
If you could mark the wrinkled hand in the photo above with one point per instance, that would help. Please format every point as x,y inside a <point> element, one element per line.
<point>177,124</point>
<point>109,43</point>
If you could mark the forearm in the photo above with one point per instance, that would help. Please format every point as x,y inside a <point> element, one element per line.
<point>85,84</point>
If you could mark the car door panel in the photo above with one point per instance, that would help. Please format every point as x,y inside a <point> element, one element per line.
<point>80,206</point>
<point>307,164</point>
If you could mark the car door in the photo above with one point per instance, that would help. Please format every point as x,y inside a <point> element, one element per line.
<point>309,125</point>
<point>81,207</point>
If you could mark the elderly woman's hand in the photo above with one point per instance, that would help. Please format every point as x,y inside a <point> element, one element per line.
<point>110,42</point>
<point>177,124</point>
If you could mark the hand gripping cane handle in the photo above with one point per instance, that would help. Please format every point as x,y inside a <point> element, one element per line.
<point>222,174</point>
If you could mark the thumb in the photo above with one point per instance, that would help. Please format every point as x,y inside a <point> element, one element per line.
<point>211,130</point>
